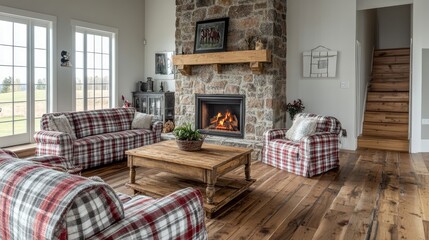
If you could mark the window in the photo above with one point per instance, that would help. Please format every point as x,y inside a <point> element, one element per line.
<point>25,74</point>
<point>94,68</point>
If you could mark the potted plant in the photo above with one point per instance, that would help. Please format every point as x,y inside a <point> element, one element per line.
<point>188,139</point>
<point>293,108</point>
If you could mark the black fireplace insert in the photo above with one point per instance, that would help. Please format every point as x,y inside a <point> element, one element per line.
<point>220,114</point>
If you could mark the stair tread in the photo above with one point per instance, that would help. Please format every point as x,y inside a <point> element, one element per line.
<point>388,96</point>
<point>383,143</point>
<point>381,138</point>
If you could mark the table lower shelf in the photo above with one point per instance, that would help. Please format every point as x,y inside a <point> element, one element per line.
<point>162,184</point>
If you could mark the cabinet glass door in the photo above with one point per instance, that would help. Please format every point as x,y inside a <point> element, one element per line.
<point>155,107</point>
<point>143,105</point>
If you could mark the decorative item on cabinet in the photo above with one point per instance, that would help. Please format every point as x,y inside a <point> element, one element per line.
<point>149,84</point>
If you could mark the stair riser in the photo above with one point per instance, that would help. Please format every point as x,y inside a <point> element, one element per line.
<point>388,96</point>
<point>389,87</point>
<point>385,144</point>
<point>390,80</point>
<point>387,107</point>
<point>392,60</point>
<point>392,68</point>
<point>388,134</point>
<point>390,75</point>
<point>381,117</point>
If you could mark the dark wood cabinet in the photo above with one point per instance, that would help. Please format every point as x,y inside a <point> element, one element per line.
<point>159,104</point>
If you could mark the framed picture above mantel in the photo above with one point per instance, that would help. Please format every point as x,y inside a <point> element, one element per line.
<point>211,35</point>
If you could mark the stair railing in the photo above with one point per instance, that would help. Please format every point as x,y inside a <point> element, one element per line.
<point>366,93</point>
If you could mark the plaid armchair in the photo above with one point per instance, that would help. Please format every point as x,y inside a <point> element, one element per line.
<point>37,202</point>
<point>102,136</point>
<point>312,155</point>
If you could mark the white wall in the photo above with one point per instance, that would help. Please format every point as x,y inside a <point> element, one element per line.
<point>126,17</point>
<point>370,4</point>
<point>394,25</point>
<point>366,26</point>
<point>420,41</point>
<point>160,28</point>
<point>312,23</point>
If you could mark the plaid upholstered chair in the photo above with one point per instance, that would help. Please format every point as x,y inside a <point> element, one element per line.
<point>38,202</point>
<point>312,154</point>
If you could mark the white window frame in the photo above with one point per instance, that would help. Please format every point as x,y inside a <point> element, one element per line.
<point>50,22</point>
<point>91,27</point>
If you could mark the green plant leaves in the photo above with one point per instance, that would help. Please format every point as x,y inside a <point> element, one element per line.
<point>185,132</point>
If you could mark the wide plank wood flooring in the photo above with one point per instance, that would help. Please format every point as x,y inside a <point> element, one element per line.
<point>373,195</point>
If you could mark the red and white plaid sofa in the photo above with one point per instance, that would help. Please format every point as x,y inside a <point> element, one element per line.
<point>37,202</point>
<point>312,155</point>
<point>103,136</point>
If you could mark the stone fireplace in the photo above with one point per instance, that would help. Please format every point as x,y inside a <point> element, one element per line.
<point>265,93</point>
<point>220,114</point>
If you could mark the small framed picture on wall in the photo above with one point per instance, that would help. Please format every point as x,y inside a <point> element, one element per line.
<point>164,68</point>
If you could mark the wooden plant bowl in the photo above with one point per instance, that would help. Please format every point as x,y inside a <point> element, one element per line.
<point>189,146</point>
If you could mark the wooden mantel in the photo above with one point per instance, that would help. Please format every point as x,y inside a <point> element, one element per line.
<point>254,57</point>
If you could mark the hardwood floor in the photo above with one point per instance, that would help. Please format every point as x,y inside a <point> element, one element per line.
<point>373,195</point>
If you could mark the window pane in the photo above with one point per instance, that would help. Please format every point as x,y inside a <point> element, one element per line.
<point>20,127</point>
<point>6,114</point>
<point>39,58</point>
<point>97,43</point>
<point>20,111</point>
<point>6,33</point>
<point>5,94</point>
<point>79,105</point>
<point>40,75</point>
<point>37,124</point>
<point>79,60</point>
<point>6,55</point>
<point>90,90</point>
<point>90,60</point>
<point>98,90</point>
<point>79,76</point>
<point>106,45</point>
<point>20,34</point>
<point>20,74</point>
<point>40,108</point>
<point>79,91</point>
<point>6,128</point>
<point>41,93</point>
<point>79,41</point>
<point>90,76</point>
<point>105,103</point>
<point>6,83</point>
<point>98,103</point>
<point>106,76</point>
<point>90,104</point>
<point>20,93</point>
<point>90,43</point>
<point>40,37</point>
<point>106,61</point>
<point>97,60</point>
<point>97,77</point>
<point>20,56</point>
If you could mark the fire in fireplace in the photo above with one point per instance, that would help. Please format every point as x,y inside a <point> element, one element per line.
<point>225,122</point>
<point>220,114</point>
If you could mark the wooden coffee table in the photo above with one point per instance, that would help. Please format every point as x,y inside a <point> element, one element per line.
<point>206,166</point>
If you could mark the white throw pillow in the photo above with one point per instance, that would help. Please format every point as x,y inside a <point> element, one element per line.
<point>141,120</point>
<point>61,124</point>
<point>301,127</point>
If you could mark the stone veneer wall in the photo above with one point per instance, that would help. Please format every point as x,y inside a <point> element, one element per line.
<point>265,93</point>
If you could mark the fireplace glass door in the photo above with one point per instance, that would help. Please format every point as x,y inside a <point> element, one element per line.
<point>221,115</point>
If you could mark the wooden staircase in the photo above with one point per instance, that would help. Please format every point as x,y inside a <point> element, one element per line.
<point>385,124</point>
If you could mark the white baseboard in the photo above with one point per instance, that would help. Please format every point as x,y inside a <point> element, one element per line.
<point>424,145</point>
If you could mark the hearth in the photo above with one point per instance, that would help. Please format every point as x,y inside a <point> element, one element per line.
<point>220,114</point>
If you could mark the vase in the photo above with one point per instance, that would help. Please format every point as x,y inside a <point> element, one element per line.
<point>189,146</point>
